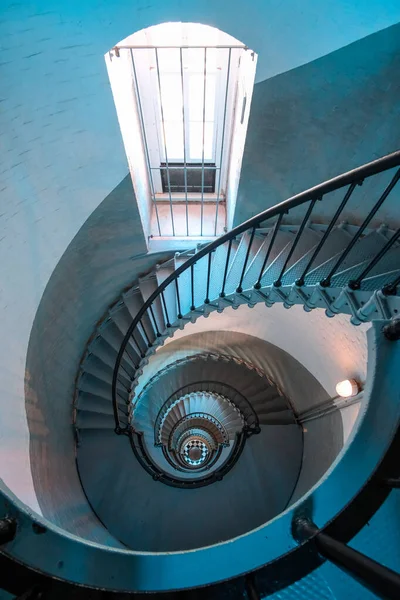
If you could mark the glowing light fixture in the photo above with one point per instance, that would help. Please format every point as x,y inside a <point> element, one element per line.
<point>347,388</point>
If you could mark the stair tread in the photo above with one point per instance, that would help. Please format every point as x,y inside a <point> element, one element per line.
<point>367,247</point>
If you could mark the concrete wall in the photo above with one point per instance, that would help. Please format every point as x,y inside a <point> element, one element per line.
<point>321,120</point>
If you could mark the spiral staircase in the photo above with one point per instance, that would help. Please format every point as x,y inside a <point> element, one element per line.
<point>167,424</point>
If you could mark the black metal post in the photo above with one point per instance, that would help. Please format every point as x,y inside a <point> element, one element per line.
<point>222,294</point>
<point>239,287</point>
<point>382,581</point>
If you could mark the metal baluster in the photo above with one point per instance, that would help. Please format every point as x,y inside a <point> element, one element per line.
<point>278,282</point>
<point>155,321</point>
<point>184,144</point>
<point>142,354</point>
<point>203,142</point>
<point>223,139</point>
<point>207,300</point>
<point>331,225</point>
<point>192,286</point>
<point>239,287</point>
<point>355,284</point>
<point>128,375</point>
<point>145,141</point>
<point>145,334</point>
<point>326,282</point>
<point>178,298</point>
<point>278,222</point>
<point>165,142</point>
<point>131,359</point>
<point>222,294</point>
<point>168,324</point>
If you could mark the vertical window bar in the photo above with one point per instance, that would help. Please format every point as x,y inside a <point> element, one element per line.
<point>222,139</point>
<point>203,141</point>
<point>165,141</point>
<point>184,144</point>
<point>153,195</point>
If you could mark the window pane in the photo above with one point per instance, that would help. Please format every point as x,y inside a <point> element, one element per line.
<point>196,97</point>
<point>171,96</point>
<point>196,140</point>
<point>174,140</point>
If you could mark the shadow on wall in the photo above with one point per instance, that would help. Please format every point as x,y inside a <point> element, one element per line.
<point>95,268</point>
<point>323,119</point>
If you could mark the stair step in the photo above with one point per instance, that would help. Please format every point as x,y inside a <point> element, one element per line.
<point>365,248</point>
<point>148,285</point>
<point>134,302</point>
<point>388,262</point>
<point>162,273</point>
<point>336,242</point>
<point>307,241</point>
<point>218,267</point>
<point>90,420</point>
<point>236,268</point>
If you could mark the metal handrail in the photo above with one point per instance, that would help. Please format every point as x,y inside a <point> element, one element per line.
<point>355,176</point>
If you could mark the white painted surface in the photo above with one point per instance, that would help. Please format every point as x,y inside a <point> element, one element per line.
<point>331,349</point>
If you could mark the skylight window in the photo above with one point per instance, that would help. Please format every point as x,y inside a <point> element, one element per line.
<point>184,83</point>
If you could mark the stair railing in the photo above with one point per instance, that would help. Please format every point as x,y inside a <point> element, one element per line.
<point>132,351</point>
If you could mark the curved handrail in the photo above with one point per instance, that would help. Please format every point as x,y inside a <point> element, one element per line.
<point>351,178</point>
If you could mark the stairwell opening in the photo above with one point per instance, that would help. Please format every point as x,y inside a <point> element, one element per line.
<point>182,93</point>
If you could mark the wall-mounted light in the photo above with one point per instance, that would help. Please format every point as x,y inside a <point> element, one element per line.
<point>347,388</point>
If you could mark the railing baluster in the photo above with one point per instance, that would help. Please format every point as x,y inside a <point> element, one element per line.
<point>154,321</point>
<point>222,294</point>
<point>278,282</point>
<point>326,282</point>
<point>277,225</point>
<point>165,141</point>
<point>355,284</point>
<point>331,225</point>
<point>184,143</point>
<point>207,300</point>
<point>132,360</point>
<point>203,142</point>
<point>192,307</point>
<point>167,324</point>
<point>143,129</point>
<point>239,287</point>
<point>138,346</point>
<point>145,334</point>
<point>178,300</point>
<point>223,139</point>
